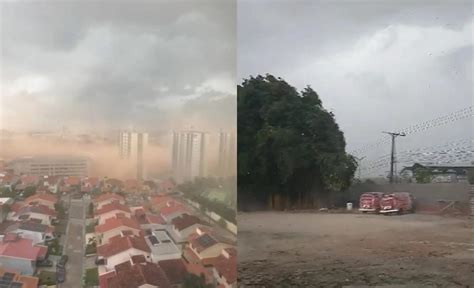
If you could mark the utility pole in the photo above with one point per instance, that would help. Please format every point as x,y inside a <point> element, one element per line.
<point>392,155</point>
<point>359,160</point>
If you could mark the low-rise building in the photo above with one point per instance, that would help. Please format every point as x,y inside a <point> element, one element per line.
<point>13,279</point>
<point>175,271</point>
<point>183,226</point>
<point>20,254</point>
<point>135,273</point>
<point>161,246</point>
<point>116,226</point>
<point>173,210</point>
<point>225,268</point>
<point>36,232</point>
<point>36,213</point>
<point>111,210</point>
<point>120,249</point>
<point>44,199</point>
<point>107,198</point>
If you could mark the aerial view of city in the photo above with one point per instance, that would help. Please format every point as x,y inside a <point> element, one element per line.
<point>117,145</point>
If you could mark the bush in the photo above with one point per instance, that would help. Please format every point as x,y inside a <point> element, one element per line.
<point>54,248</point>
<point>47,278</point>
<point>91,277</point>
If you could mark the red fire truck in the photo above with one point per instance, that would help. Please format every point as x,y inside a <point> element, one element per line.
<point>370,202</point>
<point>397,203</point>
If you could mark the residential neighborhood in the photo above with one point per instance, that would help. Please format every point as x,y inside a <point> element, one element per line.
<point>116,233</point>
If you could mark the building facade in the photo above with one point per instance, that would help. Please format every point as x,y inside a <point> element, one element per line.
<point>189,155</point>
<point>133,147</point>
<point>51,165</point>
<point>226,157</point>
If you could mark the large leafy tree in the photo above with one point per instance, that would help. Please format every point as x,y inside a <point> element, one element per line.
<point>290,149</point>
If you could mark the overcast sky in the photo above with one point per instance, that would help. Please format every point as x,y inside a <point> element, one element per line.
<point>101,64</point>
<point>378,65</point>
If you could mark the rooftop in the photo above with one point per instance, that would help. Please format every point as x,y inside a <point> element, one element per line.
<point>184,221</point>
<point>116,222</point>
<point>122,243</point>
<point>21,248</point>
<point>108,197</point>
<point>174,269</point>
<point>137,275</point>
<point>115,205</point>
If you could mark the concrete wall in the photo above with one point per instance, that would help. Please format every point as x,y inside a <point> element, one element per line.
<point>424,193</point>
<point>23,266</point>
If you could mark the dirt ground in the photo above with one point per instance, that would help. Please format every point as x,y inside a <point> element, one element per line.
<point>284,249</point>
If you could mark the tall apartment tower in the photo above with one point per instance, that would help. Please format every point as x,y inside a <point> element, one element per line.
<point>226,158</point>
<point>189,155</point>
<point>132,146</point>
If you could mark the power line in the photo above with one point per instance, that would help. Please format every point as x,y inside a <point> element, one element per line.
<point>426,125</point>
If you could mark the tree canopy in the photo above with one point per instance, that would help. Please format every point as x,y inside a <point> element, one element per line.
<point>289,147</point>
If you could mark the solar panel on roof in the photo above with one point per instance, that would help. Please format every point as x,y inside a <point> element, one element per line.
<point>206,241</point>
<point>8,276</point>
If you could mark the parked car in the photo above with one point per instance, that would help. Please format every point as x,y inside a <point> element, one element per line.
<point>370,202</point>
<point>62,261</point>
<point>397,203</point>
<point>44,263</point>
<point>60,274</point>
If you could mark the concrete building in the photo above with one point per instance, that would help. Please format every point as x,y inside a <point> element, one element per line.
<point>133,147</point>
<point>189,155</point>
<point>51,165</point>
<point>226,157</point>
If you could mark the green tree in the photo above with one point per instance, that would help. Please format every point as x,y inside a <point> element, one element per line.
<point>193,281</point>
<point>470,176</point>
<point>422,175</point>
<point>7,192</point>
<point>290,149</point>
<point>29,191</point>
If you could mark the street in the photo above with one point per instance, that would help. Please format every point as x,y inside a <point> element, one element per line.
<point>74,245</point>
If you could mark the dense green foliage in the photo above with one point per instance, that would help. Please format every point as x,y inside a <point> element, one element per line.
<point>197,190</point>
<point>193,281</point>
<point>470,176</point>
<point>290,149</point>
<point>422,175</point>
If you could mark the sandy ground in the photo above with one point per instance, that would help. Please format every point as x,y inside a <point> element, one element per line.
<point>283,249</point>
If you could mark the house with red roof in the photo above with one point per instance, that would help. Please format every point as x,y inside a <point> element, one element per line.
<point>111,210</point>
<point>44,199</point>
<point>206,244</point>
<point>12,278</point>
<point>29,180</point>
<point>116,226</point>
<point>136,273</point>
<point>89,183</point>
<point>20,253</point>
<point>183,226</point>
<point>175,271</point>
<point>107,198</point>
<point>173,210</point>
<point>8,180</point>
<point>36,213</point>
<point>50,183</point>
<point>225,268</point>
<point>36,232</point>
<point>160,201</point>
<point>120,249</point>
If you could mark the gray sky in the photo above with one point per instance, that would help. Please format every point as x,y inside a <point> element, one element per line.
<point>101,64</point>
<point>380,65</point>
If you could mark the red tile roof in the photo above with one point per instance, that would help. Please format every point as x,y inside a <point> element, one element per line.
<point>161,200</point>
<point>29,179</point>
<point>17,206</point>
<point>108,197</point>
<point>184,221</point>
<point>174,208</point>
<point>112,207</point>
<point>41,196</point>
<point>72,181</point>
<point>174,269</point>
<point>137,275</point>
<point>104,278</point>
<point>138,259</point>
<point>122,243</point>
<point>21,248</point>
<point>90,181</point>
<point>155,219</point>
<point>38,208</point>
<point>116,222</point>
<point>226,265</point>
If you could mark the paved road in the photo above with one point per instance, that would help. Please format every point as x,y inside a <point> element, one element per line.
<point>74,245</point>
